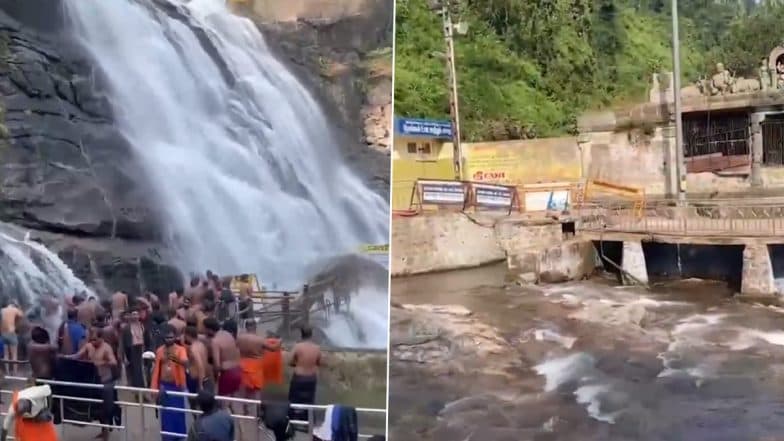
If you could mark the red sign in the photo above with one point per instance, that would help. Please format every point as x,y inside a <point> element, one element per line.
<point>489,176</point>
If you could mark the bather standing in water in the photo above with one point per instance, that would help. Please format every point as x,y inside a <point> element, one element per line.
<point>134,342</point>
<point>306,361</point>
<point>41,353</point>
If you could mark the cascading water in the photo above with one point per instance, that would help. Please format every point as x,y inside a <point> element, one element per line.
<point>248,176</point>
<point>37,278</point>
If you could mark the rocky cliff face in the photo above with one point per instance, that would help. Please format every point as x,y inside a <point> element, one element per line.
<point>67,175</point>
<point>346,58</point>
<point>70,178</point>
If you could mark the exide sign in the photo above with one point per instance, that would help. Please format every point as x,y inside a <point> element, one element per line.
<point>489,176</point>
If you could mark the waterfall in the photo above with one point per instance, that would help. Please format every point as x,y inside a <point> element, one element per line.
<point>36,279</point>
<point>249,177</point>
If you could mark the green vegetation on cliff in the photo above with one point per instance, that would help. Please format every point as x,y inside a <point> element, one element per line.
<point>528,68</point>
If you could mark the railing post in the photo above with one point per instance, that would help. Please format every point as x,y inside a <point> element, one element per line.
<point>305,310</point>
<point>285,309</point>
<point>62,416</point>
<point>141,410</point>
<point>310,423</point>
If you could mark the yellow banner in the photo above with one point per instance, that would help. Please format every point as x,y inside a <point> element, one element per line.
<point>375,249</point>
<point>523,162</point>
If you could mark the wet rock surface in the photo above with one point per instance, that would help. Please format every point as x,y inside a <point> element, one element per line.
<point>347,62</point>
<point>592,361</point>
<point>68,175</point>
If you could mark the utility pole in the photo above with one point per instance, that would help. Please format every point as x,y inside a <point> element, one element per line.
<point>680,164</point>
<point>454,112</point>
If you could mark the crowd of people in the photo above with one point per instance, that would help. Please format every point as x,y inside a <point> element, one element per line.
<point>202,339</point>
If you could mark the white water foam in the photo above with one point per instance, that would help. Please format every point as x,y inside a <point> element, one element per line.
<point>591,388</point>
<point>558,371</point>
<point>553,336</point>
<point>246,170</point>
<point>364,325</point>
<point>39,279</point>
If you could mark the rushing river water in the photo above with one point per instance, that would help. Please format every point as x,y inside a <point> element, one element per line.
<point>684,361</point>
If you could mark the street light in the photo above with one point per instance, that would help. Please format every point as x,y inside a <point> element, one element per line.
<point>680,164</point>
<point>442,8</point>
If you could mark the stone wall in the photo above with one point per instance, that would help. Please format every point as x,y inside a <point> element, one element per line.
<point>442,241</point>
<point>757,271</point>
<point>611,142</point>
<point>447,241</point>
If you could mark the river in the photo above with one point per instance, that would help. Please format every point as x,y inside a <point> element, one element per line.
<point>593,361</point>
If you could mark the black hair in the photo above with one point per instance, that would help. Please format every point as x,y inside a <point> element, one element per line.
<point>205,399</point>
<point>306,332</point>
<point>72,314</point>
<point>39,335</point>
<point>230,326</point>
<point>211,324</point>
<point>166,329</point>
<point>179,291</point>
<point>192,331</point>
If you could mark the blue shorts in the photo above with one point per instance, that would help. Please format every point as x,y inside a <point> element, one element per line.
<point>9,339</point>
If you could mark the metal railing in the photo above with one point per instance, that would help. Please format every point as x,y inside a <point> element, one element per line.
<point>140,393</point>
<point>714,217</point>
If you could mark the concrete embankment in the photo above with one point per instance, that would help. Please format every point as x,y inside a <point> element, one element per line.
<point>536,251</point>
<point>542,252</point>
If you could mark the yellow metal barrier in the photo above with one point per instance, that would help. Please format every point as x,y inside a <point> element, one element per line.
<point>637,195</point>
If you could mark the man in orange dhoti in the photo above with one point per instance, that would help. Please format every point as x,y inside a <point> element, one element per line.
<point>273,359</point>
<point>251,348</point>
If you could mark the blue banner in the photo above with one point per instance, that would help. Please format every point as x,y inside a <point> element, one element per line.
<point>493,196</point>
<point>423,127</point>
<point>442,192</point>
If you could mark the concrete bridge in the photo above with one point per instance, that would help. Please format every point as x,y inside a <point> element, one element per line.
<point>740,241</point>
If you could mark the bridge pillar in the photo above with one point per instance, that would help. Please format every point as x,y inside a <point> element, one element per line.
<point>633,264</point>
<point>756,149</point>
<point>757,271</point>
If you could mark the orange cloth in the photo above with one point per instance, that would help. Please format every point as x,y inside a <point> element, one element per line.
<point>29,430</point>
<point>252,373</point>
<point>273,362</point>
<point>179,370</point>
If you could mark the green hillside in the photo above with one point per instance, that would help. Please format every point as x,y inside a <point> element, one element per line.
<point>527,68</point>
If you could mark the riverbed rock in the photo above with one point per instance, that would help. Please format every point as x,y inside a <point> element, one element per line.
<point>448,339</point>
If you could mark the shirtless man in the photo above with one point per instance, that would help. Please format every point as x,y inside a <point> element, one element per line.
<point>199,316</point>
<point>183,311</point>
<point>119,303</point>
<point>154,301</point>
<point>177,323</point>
<point>175,298</point>
<point>11,316</point>
<point>200,372</point>
<point>251,347</point>
<point>306,360</point>
<point>99,353</point>
<point>225,358</point>
<point>41,353</point>
<point>85,312</point>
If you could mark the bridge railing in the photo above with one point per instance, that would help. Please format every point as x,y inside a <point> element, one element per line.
<point>140,393</point>
<point>713,217</point>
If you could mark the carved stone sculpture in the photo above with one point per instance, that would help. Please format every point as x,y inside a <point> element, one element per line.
<point>745,85</point>
<point>722,81</point>
<point>765,76</point>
